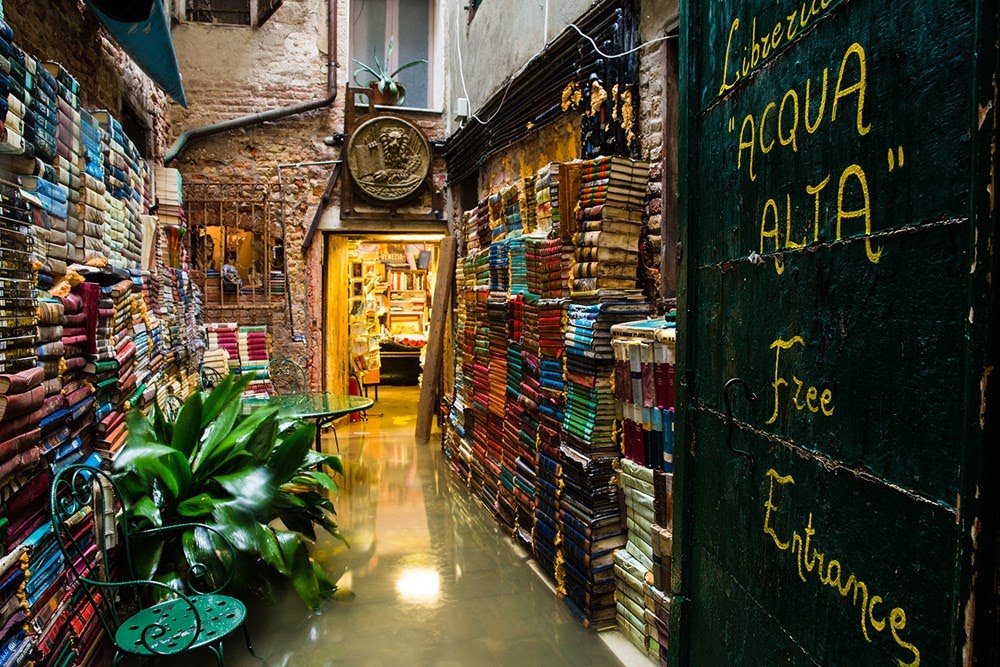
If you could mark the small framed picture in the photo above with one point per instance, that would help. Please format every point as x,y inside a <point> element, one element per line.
<point>357,288</point>
<point>357,270</point>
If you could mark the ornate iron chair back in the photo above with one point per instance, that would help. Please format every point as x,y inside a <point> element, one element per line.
<point>209,377</point>
<point>172,405</point>
<point>95,543</point>
<point>287,377</point>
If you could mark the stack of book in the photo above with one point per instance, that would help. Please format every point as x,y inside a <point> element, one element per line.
<point>62,626</point>
<point>547,200</point>
<point>657,612</point>
<point>590,528</point>
<point>636,483</point>
<point>253,358</point>
<point>124,181</point>
<point>496,318</point>
<point>517,265</point>
<point>512,222</point>
<point>495,208</point>
<point>139,327</point>
<point>609,221</point>
<point>483,226</point>
<point>277,282</point>
<point>42,95</point>
<point>14,140</point>
<point>500,267</point>
<point>69,149</point>
<point>479,331</point>
<point>14,642</point>
<point>528,205</point>
<point>630,598</point>
<point>589,499</point>
<point>225,335</point>
<point>68,434</point>
<point>644,363</point>
<point>102,370</point>
<point>547,265</point>
<point>169,199</point>
<point>93,203</point>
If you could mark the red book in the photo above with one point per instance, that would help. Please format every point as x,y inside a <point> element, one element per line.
<point>13,405</point>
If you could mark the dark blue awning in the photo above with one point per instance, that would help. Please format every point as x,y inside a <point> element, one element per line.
<point>142,29</point>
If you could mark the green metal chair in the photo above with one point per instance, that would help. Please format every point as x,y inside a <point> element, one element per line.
<point>209,377</point>
<point>287,377</point>
<point>200,617</point>
<point>172,405</point>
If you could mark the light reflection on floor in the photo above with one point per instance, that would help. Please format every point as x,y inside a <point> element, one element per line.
<point>428,579</point>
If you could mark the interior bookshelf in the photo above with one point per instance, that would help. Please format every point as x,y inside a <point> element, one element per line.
<point>367,308</point>
<point>407,297</point>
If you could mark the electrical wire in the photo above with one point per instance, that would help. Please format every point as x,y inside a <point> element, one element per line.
<point>623,53</point>
<point>461,70</point>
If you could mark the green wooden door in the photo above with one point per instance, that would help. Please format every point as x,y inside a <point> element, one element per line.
<point>836,217</point>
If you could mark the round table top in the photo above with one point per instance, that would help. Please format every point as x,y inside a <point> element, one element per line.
<point>317,404</point>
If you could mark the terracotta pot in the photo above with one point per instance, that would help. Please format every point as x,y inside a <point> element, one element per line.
<point>385,98</point>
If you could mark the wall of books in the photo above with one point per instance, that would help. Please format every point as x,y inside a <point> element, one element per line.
<point>89,330</point>
<point>547,267</point>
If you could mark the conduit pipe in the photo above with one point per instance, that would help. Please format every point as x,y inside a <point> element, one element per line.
<point>274,114</point>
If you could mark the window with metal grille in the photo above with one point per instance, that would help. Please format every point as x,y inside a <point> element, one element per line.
<point>231,12</point>
<point>235,245</point>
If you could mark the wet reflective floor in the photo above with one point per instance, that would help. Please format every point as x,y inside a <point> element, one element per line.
<point>428,579</point>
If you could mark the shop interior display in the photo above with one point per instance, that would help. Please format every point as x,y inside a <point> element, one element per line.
<point>389,289</point>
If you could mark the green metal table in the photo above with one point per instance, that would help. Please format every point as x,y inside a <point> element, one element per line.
<point>322,407</point>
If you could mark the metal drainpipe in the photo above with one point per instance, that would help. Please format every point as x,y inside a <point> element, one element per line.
<point>274,114</point>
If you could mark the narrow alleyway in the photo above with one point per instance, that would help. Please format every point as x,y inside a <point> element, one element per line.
<point>428,579</point>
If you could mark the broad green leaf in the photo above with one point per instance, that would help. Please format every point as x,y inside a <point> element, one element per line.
<point>187,427</point>
<point>314,458</point>
<point>238,524</point>
<point>201,505</point>
<point>300,566</point>
<point>228,390</point>
<point>219,428</point>
<point>145,508</point>
<point>251,488</point>
<point>271,552</point>
<point>200,548</point>
<point>326,587</point>
<point>161,427</point>
<point>294,521</point>
<point>285,500</point>
<point>259,445</point>
<point>207,458</point>
<point>140,431</point>
<point>154,460</point>
<point>316,477</point>
<point>291,451</point>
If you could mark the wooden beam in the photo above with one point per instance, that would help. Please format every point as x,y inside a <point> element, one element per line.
<point>433,360</point>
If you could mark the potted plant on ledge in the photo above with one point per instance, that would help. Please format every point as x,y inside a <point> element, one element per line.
<point>383,84</point>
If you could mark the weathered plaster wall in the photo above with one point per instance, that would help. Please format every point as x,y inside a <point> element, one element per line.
<point>503,36</point>
<point>63,31</point>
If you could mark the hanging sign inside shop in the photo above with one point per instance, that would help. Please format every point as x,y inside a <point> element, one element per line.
<point>389,159</point>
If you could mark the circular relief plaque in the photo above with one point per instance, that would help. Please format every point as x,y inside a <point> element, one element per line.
<point>389,158</point>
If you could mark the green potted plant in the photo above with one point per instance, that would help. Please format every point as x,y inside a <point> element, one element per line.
<point>254,477</point>
<point>383,84</point>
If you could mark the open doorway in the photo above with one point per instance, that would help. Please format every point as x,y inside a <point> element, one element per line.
<point>389,284</point>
